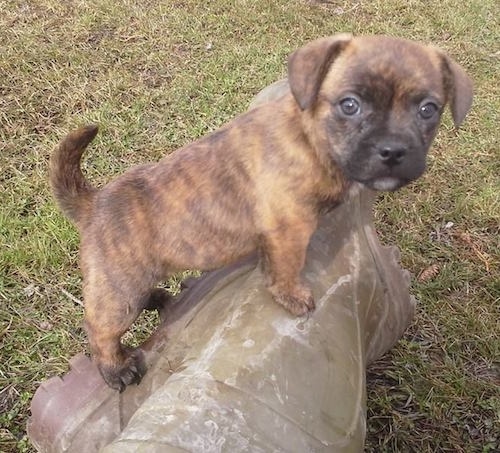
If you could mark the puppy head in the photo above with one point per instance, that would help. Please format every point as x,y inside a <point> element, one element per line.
<point>373,104</point>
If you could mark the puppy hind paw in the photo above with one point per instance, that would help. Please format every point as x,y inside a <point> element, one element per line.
<point>118,377</point>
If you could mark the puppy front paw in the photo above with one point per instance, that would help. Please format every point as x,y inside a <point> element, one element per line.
<point>298,301</point>
<point>119,376</point>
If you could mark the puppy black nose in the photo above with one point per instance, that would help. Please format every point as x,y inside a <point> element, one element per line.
<point>391,154</point>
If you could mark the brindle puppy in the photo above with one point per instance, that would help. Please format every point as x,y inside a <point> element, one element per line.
<point>358,110</point>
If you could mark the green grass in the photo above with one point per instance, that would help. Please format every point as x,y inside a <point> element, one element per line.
<point>157,74</point>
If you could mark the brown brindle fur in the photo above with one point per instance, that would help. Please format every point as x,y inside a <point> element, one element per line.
<point>258,183</point>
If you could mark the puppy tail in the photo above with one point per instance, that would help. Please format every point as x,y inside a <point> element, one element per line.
<point>71,190</point>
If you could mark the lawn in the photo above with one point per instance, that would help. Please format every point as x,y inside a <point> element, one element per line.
<point>157,74</point>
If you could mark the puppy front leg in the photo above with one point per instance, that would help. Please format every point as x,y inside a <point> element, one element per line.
<point>284,253</point>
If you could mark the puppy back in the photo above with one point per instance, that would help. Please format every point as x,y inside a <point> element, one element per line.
<point>71,190</point>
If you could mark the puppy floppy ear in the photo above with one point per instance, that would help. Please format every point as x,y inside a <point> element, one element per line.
<point>308,66</point>
<point>459,89</point>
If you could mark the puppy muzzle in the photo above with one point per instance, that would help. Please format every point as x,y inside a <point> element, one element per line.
<point>386,165</point>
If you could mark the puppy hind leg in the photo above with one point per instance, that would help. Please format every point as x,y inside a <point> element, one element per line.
<point>107,318</point>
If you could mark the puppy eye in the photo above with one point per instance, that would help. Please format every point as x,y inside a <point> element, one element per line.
<point>350,106</point>
<point>428,110</point>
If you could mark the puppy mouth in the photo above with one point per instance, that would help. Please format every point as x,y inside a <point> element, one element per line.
<point>381,182</point>
<point>385,183</point>
<point>380,176</point>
